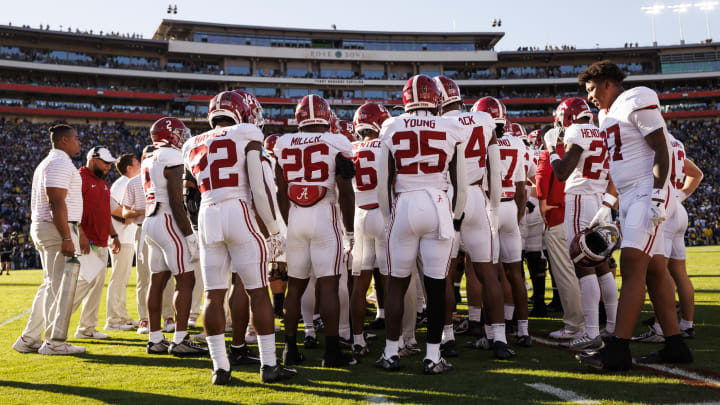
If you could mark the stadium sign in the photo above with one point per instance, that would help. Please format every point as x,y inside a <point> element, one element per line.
<point>337,54</point>
<point>339,82</point>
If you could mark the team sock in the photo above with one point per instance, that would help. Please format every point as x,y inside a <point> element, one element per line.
<point>359,340</point>
<point>156,336</point>
<point>498,332</point>
<point>489,331</point>
<point>685,325</point>
<point>658,328</point>
<point>433,352</point>
<point>216,346</point>
<point>509,309</point>
<point>609,292</point>
<point>448,333</point>
<point>266,346</point>
<point>590,296</point>
<point>522,327</point>
<point>391,348</point>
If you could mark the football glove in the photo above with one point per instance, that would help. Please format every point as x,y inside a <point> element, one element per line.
<point>348,241</point>
<point>551,137</point>
<point>656,212</point>
<point>192,246</point>
<point>601,216</point>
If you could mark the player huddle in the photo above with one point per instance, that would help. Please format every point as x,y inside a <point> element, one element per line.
<point>397,198</point>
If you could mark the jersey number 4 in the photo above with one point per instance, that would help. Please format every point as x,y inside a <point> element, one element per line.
<point>419,144</point>
<point>199,162</point>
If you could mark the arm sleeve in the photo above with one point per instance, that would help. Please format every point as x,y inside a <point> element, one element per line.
<point>257,187</point>
<point>647,120</point>
<point>542,176</point>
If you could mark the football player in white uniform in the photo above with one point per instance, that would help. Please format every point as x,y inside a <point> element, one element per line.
<point>419,159</point>
<point>584,169</point>
<point>370,244</point>
<point>685,177</point>
<point>638,144</point>
<point>510,213</point>
<point>482,159</point>
<point>225,162</point>
<point>168,233</point>
<point>533,229</point>
<point>312,164</point>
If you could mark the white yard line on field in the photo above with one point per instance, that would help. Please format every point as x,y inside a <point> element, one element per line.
<point>14,318</point>
<point>564,395</point>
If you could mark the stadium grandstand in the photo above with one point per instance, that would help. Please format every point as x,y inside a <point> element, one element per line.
<point>112,87</point>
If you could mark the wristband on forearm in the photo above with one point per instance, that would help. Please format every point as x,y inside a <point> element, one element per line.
<point>609,199</point>
<point>554,157</point>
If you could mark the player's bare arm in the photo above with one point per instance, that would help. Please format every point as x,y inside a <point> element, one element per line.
<point>346,196</point>
<point>175,194</point>
<point>258,187</point>
<point>565,166</point>
<point>661,164</point>
<point>693,177</point>
<point>282,193</point>
<point>459,182</point>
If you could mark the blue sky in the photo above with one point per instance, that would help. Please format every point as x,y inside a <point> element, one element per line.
<point>609,23</point>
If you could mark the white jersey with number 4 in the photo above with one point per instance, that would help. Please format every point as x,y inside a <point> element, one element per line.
<point>480,127</point>
<point>512,159</point>
<point>422,147</point>
<point>153,172</point>
<point>677,166</point>
<point>590,176</point>
<point>631,158</point>
<point>366,155</point>
<point>216,159</point>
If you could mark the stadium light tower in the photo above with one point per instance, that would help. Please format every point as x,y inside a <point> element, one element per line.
<point>653,11</point>
<point>707,7</point>
<point>679,9</point>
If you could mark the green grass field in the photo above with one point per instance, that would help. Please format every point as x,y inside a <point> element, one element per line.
<point>119,371</point>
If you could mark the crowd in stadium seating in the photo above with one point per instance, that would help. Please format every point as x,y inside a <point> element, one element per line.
<point>24,144</point>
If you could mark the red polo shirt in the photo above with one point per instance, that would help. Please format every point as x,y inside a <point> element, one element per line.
<point>96,208</point>
<point>549,188</point>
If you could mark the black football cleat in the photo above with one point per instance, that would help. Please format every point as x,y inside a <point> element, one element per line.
<point>160,347</point>
<point>271,374</point>
<point>524,341</point>
<point>442,366</point>
<point>360,351</point>
<point>241,356</point>
<point>310,342</point>
<point>607,359</point>
<point>339,359</point>
<point>676,354</point>
<point>449,349</point>
<point>391,364</point>
<point>501,350</point>
<point>221,377</point>
<point>187,348</point>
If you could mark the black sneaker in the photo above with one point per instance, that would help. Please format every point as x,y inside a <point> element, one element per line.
<point>160,347</point>
<point>377,323</point>
<point>241,356</point>
<point>346,342</point>
<point>610,358</point>
<point>338,359</point>
<point>319,325</point>
<point>360,350</point>
<point>501,350</point>
<point>391,364</point>
<point>442,366</point>
<point>271,374</point>
<point>688,333</point>
<point>449,349</point>
<point>221,377</point>
<point>678,353</point>
<point>480,343</point>
<point>187,348</point>
<point>292,356</point>
<point>310,342</point>
<point>524,341</point>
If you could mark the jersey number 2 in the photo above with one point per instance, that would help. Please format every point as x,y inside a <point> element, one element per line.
<point>199,161</point>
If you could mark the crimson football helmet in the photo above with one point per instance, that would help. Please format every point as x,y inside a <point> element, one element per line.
<point>492,106</point>
<point>448,89</point>
<point>570,110</point>
<point>370,116</point>
<point>269,143</point>
<point>535,139</point>
<point>256,110</point>
<point>421,92</point>
<point>169,132</point>
<point>232,105</point>
<point>343,127</point>
<point>592,246</point>
<point>312,110</point>
<point>516,130</point>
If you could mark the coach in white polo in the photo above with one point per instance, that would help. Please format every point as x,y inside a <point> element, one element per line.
<point>57,206</point>
<point>117,313</point>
